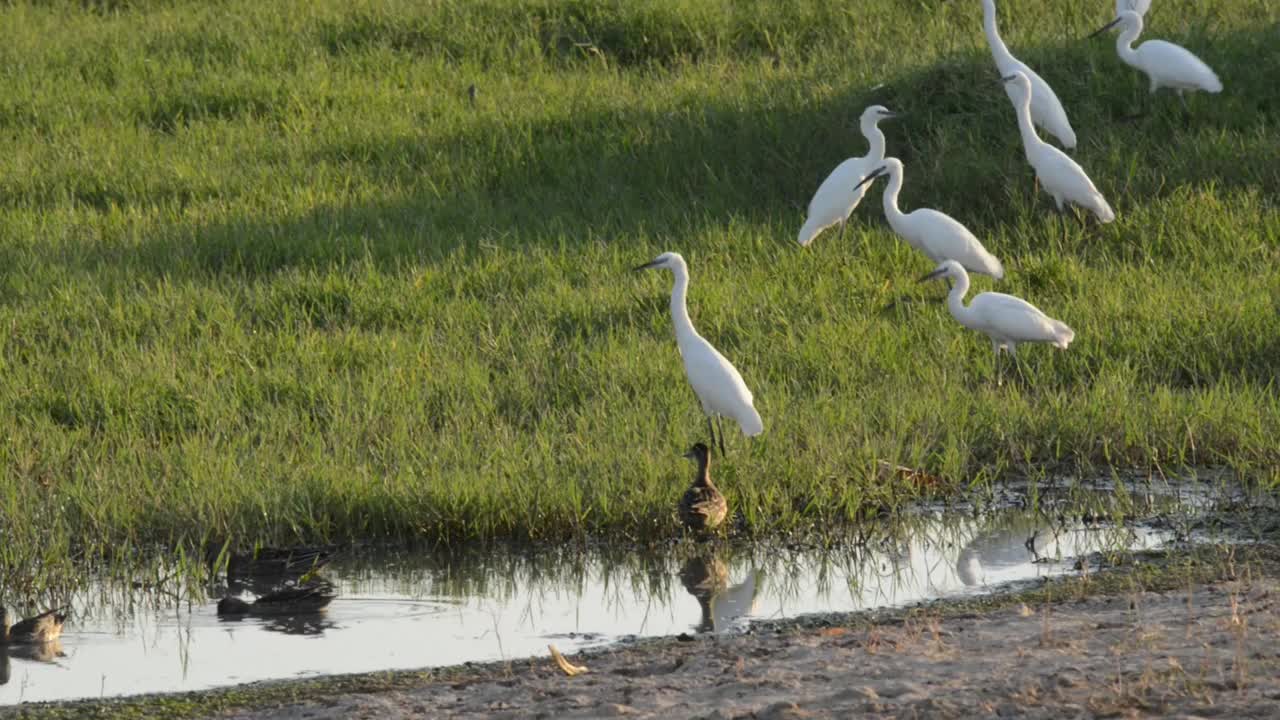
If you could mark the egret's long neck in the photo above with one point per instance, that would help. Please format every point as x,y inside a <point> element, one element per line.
<point>679,306</point>
<point>1028,131</point>
<point>875,137</point>
<point>955,298</point>
<point>891,211</point>
<point>998,50</point>
<point>1124,43</point>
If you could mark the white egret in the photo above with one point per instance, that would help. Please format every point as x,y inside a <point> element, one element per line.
<point>836,197</point>
<point>1139,6</point>
<point>935,234</point>
<point>1059,175</point>
<point>715,381</point>
<point>1046,109</point>
<point>1166,64</point>
<point>1005,319</point>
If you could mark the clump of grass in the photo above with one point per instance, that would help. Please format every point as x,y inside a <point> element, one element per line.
<point>268,273</point>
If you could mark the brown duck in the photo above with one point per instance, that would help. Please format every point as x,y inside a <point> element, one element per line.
<point>702,507</point>
<point>43,628</point>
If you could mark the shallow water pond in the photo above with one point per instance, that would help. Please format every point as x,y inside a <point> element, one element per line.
<point>413,610</point>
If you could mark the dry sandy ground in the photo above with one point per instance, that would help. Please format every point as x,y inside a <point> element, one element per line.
<point>1212,651</point>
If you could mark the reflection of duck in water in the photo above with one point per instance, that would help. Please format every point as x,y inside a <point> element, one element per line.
<point>43,628</point>
<point>704,578</point>
<point>307,599</point>
<point>703,507</point>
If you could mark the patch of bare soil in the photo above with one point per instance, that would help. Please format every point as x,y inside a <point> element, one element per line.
<point>1207,651</point>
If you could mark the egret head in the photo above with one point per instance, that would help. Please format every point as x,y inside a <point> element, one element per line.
<point>667,260</point>
<point>1018,81</point>
<point>876,113</point>
<point>699,452</point>
<point>890,166</point>
<point>946,269</point>
<point>1128,20</point>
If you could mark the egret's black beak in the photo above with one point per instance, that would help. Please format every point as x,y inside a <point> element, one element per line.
<point>1007,78</point>
<point>933,274</point>
<point>646,266</point>
<point>1103,29</point>
<point>877,173</point>
<point>891,115</point>
<point>691,454</point>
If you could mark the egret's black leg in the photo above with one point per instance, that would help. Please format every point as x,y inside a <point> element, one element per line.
<point>720,424</point>
<point>711,428</point>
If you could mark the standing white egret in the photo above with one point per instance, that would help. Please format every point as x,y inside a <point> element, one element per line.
<point>715,381</point>
<point>1046,109</point>
<point>836,197</point>
<point>1005,319</point>
<point>1166,64</point>
<point>1059,175</point>
<point>936,234</point>
<point>1139,6</point>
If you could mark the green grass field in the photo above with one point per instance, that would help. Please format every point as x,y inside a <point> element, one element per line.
<point>267,273</point>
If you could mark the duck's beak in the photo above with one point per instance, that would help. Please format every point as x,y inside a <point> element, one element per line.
<point>933,274</point>
<point>877,173</point>
<point>646,266</point>
<point>1103,29</point>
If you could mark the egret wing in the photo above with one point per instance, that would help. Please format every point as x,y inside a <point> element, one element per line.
<point>1014,319</point>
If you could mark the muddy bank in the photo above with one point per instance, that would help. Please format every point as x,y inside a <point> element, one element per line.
<point>1212,650</point>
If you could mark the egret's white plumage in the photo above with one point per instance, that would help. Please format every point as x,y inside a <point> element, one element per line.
<point>1046,109</point>
<point>1005,319</point>
<point>837,197</point>
<point>935,234</point>
<point>715,380</point>
<point>1059,175</point>
<point>1139,6</point>
<point>1166,64</point>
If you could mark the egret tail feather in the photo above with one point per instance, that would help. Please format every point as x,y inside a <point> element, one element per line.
<point>809,232</point>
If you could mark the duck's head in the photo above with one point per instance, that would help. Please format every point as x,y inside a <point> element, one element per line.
<point>232,606</point>
<point>699,452</point>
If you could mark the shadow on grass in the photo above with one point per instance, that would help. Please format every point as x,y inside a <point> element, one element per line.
<point>585,177</point>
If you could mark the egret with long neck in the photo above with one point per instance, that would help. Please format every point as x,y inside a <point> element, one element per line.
<point>1166,64</point>
<point>716,382</point>
<point>937,235</point>
<point>1046,109</point>
<point>1059,175</point>
<point>836,197</point>
<point>1005,319</point>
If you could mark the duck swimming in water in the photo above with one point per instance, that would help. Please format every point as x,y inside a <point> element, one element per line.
<point>310,598</point>
<point>703,507</point>
<point>43,628</point>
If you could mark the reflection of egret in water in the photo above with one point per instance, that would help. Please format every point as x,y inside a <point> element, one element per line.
<point>738,601</point>
<point>1025,541</point>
